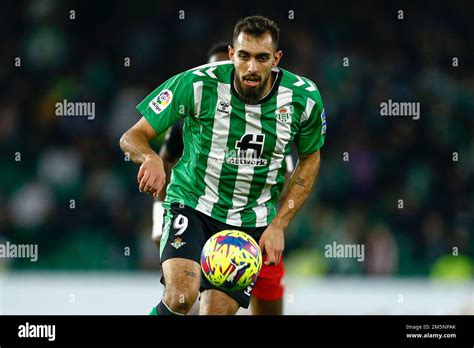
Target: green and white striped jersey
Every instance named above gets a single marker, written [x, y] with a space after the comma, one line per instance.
[233, 166]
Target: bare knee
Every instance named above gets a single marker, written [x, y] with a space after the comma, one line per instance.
[182, 279]
[215, 302]
[180, 299]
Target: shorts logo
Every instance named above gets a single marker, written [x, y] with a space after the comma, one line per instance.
[283, 114]
[223, 107]
[178, 243]
[249, 289]
[161, 101]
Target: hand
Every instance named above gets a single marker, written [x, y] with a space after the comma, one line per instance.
[272, 243]
[151, 175]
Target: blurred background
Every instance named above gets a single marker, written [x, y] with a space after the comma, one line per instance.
[66, 186]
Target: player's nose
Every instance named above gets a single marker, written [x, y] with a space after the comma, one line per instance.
[252, 66]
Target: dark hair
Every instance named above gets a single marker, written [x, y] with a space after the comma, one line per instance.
[257, 26]
[218, 47]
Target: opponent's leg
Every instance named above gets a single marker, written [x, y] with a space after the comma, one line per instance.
[262, 307]
[267, 295]
[182, 279]
[215, 302]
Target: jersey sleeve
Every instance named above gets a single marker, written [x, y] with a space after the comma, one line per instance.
[312, 132]
[168, 103]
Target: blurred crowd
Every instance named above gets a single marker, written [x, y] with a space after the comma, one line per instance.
[403, 188]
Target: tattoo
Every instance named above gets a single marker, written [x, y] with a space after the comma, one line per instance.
[300, 182]
[191, 274]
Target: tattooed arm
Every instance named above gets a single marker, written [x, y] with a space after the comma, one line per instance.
[301, 184]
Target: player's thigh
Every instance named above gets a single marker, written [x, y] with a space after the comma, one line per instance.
[181, 245]
[216, 302]
[182, 277]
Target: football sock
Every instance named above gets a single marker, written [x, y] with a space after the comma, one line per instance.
[163, 309]
[153, 311]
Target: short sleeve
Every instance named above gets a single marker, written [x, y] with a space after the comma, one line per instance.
[312, 132]
[168, 103]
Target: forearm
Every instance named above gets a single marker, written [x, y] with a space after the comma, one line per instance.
[300, 187]
[135, 144]
[284, 191]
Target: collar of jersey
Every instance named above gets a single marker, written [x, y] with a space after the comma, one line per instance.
[268, 96]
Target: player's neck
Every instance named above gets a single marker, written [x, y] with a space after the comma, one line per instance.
[270, 84]
[267, 90]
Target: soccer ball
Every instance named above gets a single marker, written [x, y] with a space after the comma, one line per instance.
[231, 260]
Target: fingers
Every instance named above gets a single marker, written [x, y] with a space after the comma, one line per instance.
[268, 250]
[270, 259]
[158, 186]
[273, 255]
[144, 180]
[264, 249]
[151, 176]
[140, 174]
[267, 246]
[278, 258]
[150, 185]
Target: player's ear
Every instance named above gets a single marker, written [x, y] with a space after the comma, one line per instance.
[277, 56]
[231, 53]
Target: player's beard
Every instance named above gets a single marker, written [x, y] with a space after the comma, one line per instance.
[249, 94]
